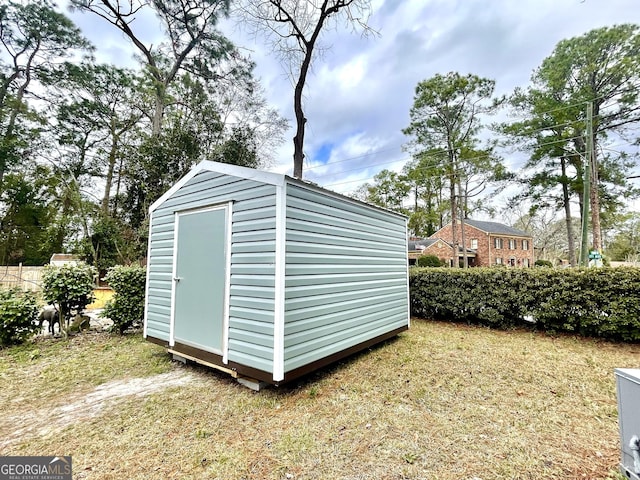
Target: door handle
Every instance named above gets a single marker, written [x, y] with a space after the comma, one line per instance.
[177, 279]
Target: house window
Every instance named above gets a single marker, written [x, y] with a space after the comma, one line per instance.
[525, 262]
[512, 244]
[474, 243]
[512, 262]
[497, 242]
[525, 244]
[498, 261]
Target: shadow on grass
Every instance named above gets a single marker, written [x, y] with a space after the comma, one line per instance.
[309, 381]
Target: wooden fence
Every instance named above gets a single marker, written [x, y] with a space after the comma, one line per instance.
[28, 278]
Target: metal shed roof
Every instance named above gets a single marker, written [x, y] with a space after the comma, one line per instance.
[269, 178]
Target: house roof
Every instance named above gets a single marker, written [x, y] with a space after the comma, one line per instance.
[416, 244]
[64, 257]
[496, 228]
[422, 242]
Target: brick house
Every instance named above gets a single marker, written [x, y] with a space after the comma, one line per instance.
[427, 246]
[487, 243]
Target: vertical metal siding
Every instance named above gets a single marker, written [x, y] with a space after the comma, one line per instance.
[252, 262]
[346, 275]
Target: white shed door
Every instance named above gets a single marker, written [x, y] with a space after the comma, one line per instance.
[200, 279]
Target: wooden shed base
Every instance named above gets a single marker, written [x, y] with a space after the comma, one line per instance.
[248, 382]
[183, 357]
[257, 379]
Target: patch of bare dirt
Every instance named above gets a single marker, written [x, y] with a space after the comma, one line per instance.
[82, 407]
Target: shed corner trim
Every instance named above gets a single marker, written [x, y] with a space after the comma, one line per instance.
[279, 291]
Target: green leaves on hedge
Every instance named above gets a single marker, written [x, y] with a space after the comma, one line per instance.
[70, 287]
[429, 261]
[127, 306]
[18, 315]
[602, 302]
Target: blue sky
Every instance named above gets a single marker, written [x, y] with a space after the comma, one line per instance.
[358, 96]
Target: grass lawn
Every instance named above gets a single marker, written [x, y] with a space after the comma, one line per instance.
[442, 401]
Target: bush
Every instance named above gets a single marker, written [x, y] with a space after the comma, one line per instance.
[429, 261]
[127, 307]
[601, 302]
[70, 287]
[18, 316]
[543, 263]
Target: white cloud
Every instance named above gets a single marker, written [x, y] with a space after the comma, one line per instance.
[359, 93]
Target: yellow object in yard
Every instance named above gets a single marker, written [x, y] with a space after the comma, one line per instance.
[103, 295]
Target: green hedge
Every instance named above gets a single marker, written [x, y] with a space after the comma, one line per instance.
[127, 307]
[18, 315]
[429, 261]
[602, 302]
[70, 287]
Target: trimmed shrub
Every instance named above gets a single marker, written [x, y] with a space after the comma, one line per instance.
[18, 316]
[126, 309]
[602, 302]
[429, 261]
[543, 263]
[70, 287]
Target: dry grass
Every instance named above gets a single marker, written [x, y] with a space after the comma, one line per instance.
[442, 401]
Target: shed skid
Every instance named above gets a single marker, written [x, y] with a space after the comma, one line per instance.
[267, 277]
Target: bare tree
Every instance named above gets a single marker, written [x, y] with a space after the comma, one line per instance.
[294, 28]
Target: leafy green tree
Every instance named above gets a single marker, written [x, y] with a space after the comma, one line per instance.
[389, 190]
[34, 40]
[155, 164]
[239, 149]
[111, 242]
[99, 119]
[25, 216]
[601, 67]
[446, 118]
[552, 176]
[97, 125]
[424, 175]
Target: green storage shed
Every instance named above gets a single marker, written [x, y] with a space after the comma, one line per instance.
[268, 277]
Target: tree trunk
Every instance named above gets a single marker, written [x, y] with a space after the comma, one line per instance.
[158, 113]
[309, 45]
[298, 140]
[118, 183]
[13, 116]
[567, 213]
[463, 214]
[454, 226]
[454, 213]
[110, 169]
[431, 228]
